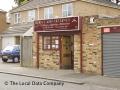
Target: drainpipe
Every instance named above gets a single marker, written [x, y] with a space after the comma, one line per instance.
[37, 46]
[21, 50]
[81, 47]
[38, 13]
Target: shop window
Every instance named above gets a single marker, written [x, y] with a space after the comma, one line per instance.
[50, 42]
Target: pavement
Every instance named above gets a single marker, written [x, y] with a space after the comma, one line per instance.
[68, 76]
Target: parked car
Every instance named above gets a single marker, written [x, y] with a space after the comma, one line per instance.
[11, 52]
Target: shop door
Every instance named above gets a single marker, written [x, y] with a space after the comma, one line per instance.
[66, 52]
[111, 54]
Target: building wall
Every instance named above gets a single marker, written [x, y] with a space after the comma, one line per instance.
[91, 51]
[34, 50]
[81, 8]
[91, 47]
[77, 53]
[88, 9]
[49, 59]
[3, 23]
[91, 38]
[92, 43]
[23, 16]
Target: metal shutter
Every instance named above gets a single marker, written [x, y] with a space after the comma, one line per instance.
[111, 54]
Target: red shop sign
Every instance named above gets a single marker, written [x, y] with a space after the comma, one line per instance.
[113, 29]
[59, 24]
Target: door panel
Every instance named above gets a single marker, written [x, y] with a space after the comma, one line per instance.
[66, 53]
[27, 52]
[111, 54]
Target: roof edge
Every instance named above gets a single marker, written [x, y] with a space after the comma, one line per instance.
[102, 4]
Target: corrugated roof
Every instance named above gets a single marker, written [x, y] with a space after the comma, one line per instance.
[17, 29]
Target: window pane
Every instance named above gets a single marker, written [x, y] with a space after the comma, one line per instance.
[70, 9]
[45, 12]
[46, 43]
[48, 13]
[17, 18]
[55, 42]
[51, 42]
[31, 15]
[67, 10]
[46, 40]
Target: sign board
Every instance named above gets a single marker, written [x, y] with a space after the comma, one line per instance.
[106, 30]
[112, 29]
[59, 24]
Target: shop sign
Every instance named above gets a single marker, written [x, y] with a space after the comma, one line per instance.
[59, 24]
[106, 30]
[113, 29]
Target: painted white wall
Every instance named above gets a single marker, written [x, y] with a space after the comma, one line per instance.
[7, 41]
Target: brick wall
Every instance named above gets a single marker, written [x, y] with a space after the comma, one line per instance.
[49, 59]
[91, 47]
[92, 43]
[77, 51]
[34, 50]
[91, 51]
[3, 24]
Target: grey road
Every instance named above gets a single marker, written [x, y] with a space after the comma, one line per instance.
[14, 82]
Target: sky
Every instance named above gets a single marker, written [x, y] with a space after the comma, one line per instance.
[7, 5]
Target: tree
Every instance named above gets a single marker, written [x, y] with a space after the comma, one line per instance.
[115, 1]
[20, 2]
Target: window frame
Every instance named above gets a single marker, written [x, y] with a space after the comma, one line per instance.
[51, 48]
[31, 15]
[48, 13]
[17, 18]
[66, 10]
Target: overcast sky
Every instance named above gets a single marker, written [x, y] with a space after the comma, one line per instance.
[6, 5]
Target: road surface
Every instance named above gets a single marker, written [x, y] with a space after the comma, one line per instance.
[15, 82]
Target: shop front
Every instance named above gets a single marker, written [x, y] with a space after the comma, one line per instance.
[56, 43]
[111, 51]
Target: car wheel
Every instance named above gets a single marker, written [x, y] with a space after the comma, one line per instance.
[16, 59]
[4, 60]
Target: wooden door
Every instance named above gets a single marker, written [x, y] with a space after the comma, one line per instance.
[66, 53]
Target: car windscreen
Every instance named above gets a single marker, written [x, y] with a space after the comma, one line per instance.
[8, 48]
